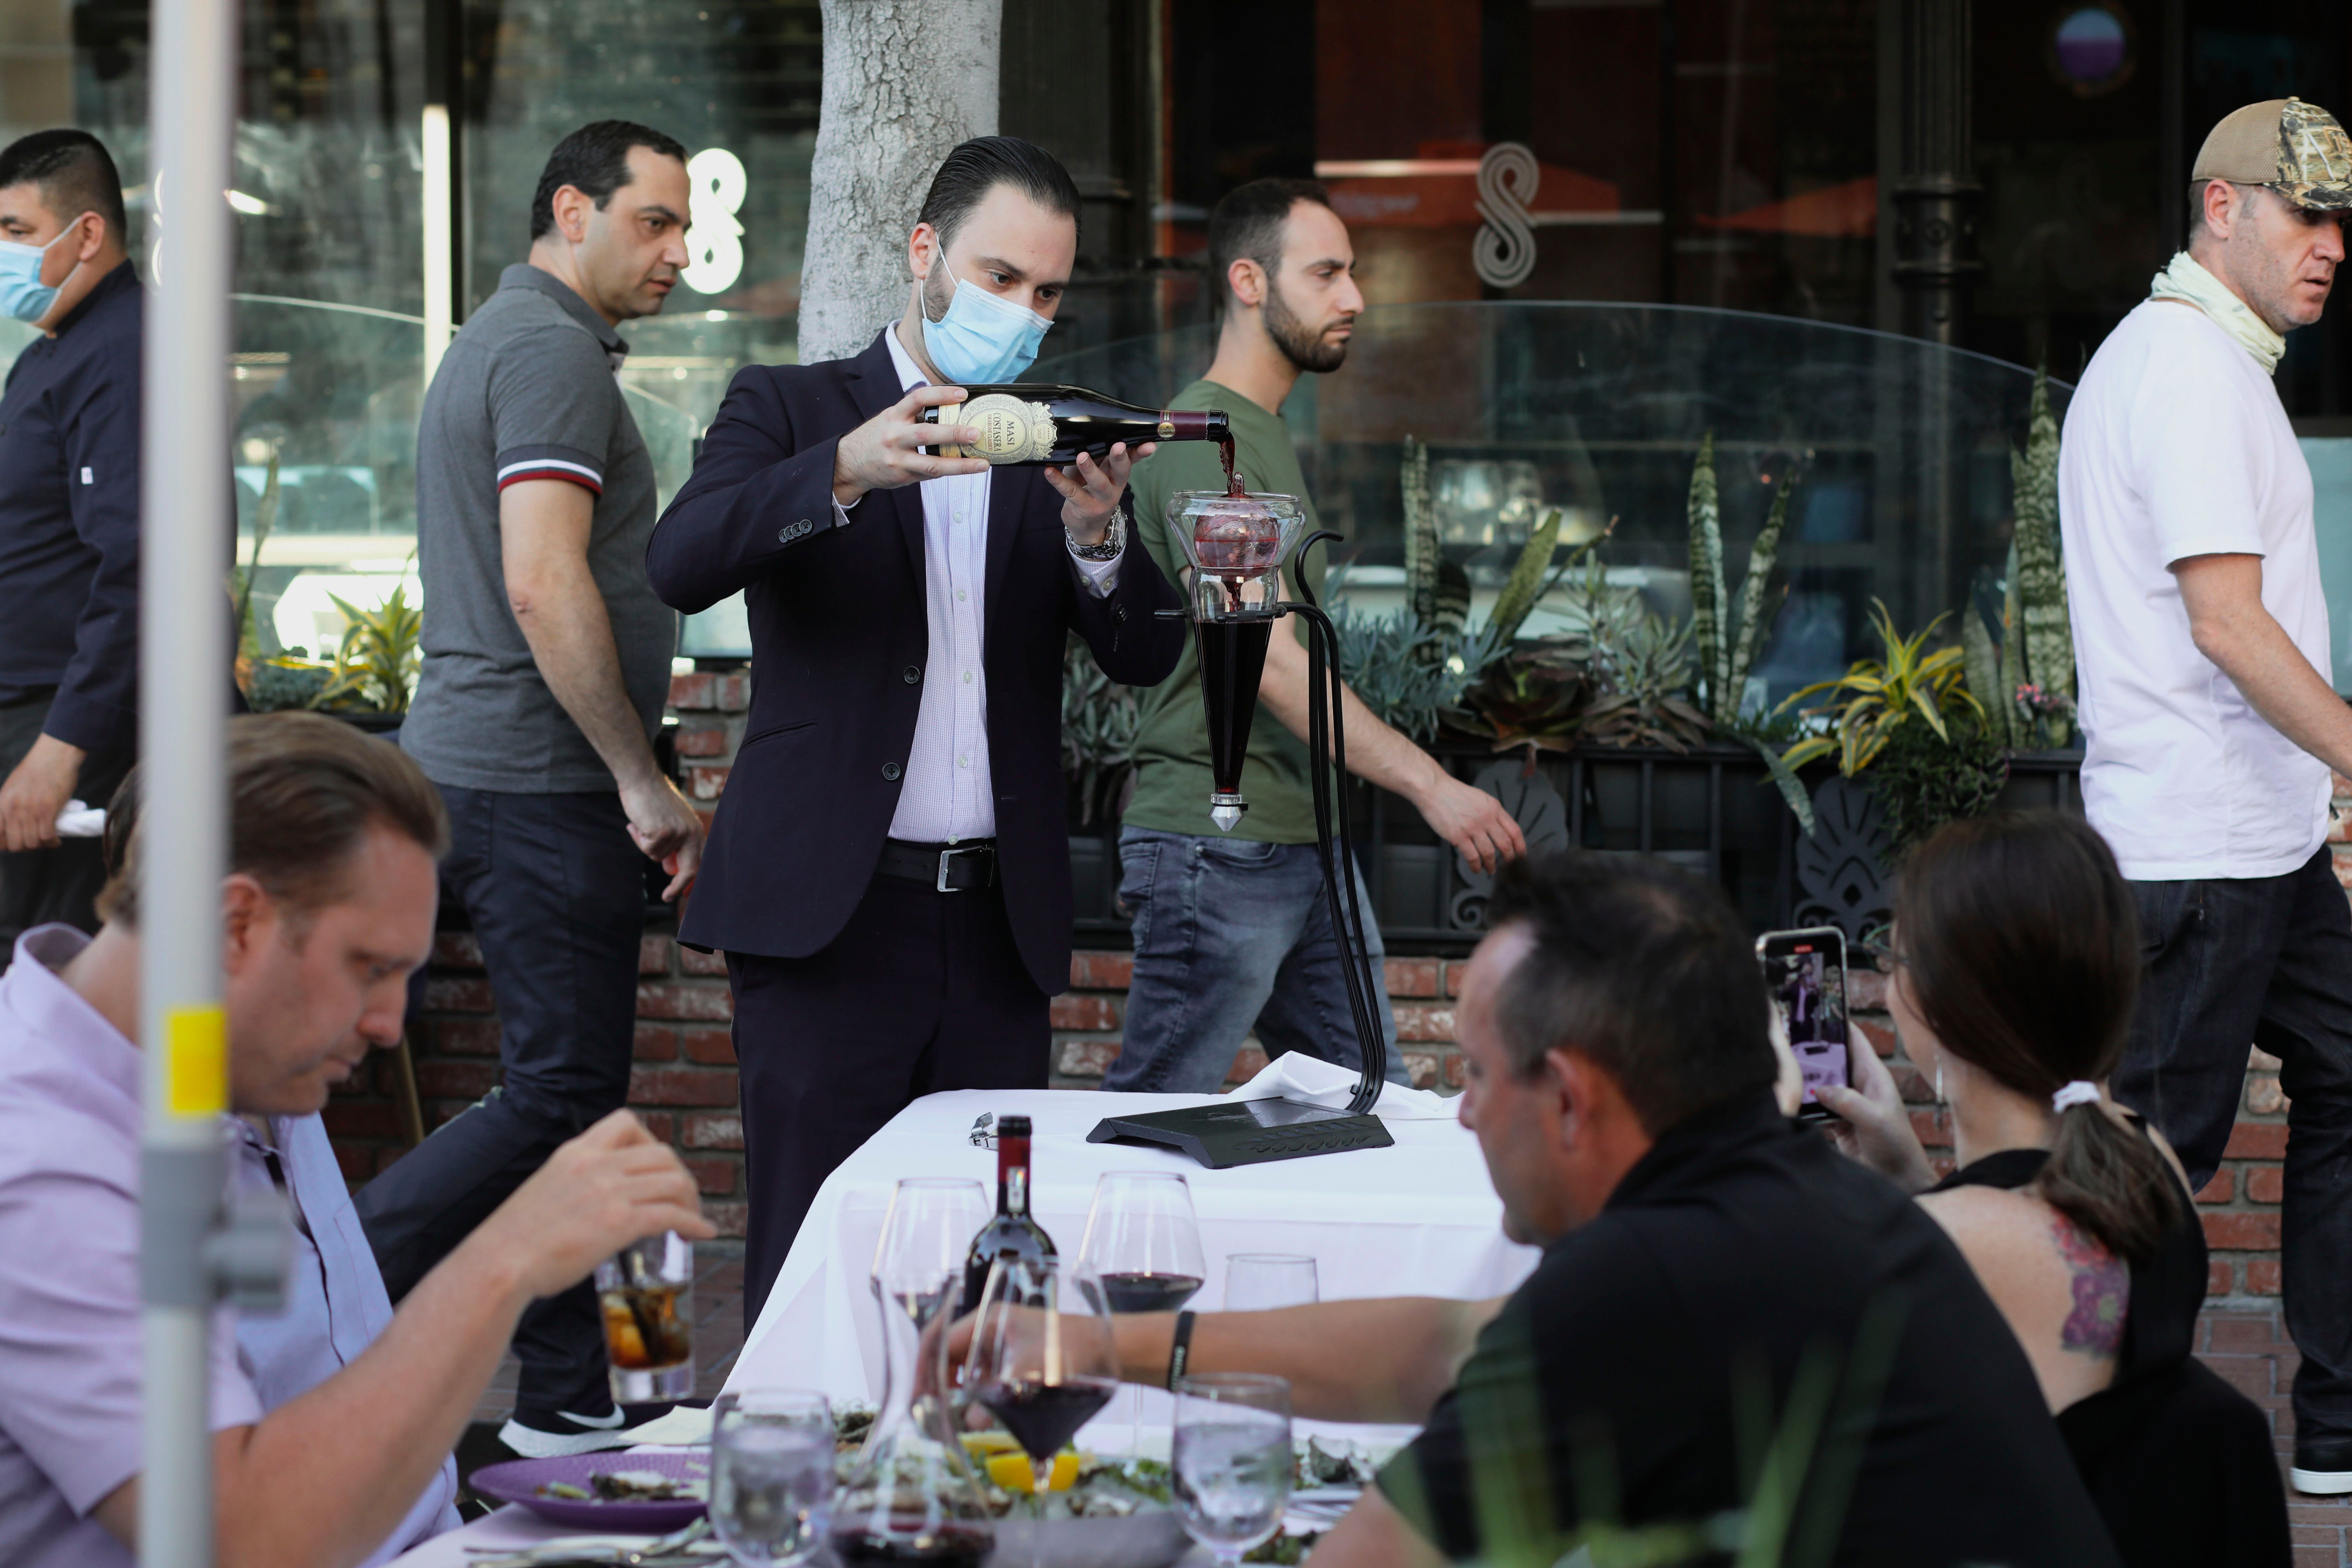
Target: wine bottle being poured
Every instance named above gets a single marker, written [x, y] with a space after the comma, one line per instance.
[1032, 425]
[1012, 1233]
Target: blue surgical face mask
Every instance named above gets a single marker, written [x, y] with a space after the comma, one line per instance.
[22, 293]
[983, 338]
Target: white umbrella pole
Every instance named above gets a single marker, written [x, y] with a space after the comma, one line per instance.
[186, 535]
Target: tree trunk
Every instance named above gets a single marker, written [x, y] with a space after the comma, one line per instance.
[905, 80]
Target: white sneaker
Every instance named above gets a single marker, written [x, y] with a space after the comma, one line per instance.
[551, 1436]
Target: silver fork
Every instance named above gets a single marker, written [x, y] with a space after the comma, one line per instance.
[586, 1549]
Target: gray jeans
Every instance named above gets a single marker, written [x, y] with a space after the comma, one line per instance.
[41, 886]
[1231, 935]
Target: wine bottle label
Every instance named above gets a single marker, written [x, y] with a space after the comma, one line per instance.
[1167, 428]
[1012, 430]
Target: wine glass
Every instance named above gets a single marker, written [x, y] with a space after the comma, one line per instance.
[1042, 1357]
[1259, 1281]
[770, 1475]
[925, 1236]
[1143, 1246]
[1232, 1459]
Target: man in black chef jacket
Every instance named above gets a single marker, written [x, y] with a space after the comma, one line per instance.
[888, 872]
[68, 520]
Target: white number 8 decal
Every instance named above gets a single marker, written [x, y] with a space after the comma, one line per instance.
[715, 240]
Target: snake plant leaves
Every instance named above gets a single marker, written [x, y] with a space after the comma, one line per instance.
[1420, 548]
[2041, 572]
[1708, 601]
[1526, 584]
[1981, 660]
[1755, 625]
[2013, 673]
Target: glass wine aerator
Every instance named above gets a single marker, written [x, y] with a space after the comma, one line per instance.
[1236, 545]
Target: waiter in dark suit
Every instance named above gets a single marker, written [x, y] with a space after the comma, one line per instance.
[888, 873]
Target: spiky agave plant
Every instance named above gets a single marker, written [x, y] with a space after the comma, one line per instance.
[1878, 695]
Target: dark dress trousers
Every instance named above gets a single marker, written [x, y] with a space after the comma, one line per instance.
[855, 992]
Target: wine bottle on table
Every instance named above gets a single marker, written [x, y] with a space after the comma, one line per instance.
[1013, 1233]
[1030, 425]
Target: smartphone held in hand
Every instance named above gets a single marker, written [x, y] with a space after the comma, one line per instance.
[1805, 976]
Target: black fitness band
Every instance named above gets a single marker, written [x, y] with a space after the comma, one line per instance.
[1180, 1351]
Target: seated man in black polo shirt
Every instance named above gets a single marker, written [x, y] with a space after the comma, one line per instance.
[1715, 1283]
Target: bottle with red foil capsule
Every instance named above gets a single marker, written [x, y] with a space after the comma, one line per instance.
[1031, 424]
[1012, 1232]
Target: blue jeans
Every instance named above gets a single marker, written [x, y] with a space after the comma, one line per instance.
[1230, 934]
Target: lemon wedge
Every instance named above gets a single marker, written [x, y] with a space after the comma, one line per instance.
[1013, 1473]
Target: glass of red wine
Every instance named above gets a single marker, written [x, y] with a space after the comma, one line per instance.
[1142, 1246]
[1043, 1360]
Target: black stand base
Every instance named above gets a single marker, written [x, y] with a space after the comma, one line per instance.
[1248, 1131]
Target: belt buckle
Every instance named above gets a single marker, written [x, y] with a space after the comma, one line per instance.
[948, 855]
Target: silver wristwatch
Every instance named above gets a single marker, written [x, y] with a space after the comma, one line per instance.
[1114, 539]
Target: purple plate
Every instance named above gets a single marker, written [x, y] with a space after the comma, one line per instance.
[520, 1480]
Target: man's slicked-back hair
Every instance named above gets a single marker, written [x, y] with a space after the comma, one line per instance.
[1640, 968]
[978, 166]
[74, 173]
[1247, 223]
[303, 791]
[593, 160]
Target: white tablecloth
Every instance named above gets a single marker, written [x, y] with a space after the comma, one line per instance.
[1419, 1219]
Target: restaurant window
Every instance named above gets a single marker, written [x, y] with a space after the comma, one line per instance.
[350, 198]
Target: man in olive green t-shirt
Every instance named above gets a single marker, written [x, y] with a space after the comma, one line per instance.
[1230, 930]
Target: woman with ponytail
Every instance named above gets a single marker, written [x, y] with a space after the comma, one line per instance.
[2014, 964]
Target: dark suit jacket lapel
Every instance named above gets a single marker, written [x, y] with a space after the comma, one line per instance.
[873, 387]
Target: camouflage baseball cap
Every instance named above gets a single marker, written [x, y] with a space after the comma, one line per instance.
[2295, 147]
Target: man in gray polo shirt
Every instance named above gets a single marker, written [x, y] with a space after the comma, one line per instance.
[546, 668]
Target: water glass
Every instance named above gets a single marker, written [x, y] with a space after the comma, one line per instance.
[647, 1294]
[770, 1475]
[1232, 1459]
[1259, 1281]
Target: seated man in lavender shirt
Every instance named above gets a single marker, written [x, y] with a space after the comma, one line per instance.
[333, 1421]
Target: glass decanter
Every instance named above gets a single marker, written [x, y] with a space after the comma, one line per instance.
[911, 1497]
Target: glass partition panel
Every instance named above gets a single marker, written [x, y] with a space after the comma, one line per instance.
[1901, 448]
[333, 392]
[2331, 482]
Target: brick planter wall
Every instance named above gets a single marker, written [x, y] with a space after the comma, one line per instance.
[684, 1082]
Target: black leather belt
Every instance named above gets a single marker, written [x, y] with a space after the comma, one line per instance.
[947, 867]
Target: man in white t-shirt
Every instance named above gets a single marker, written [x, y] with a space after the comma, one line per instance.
[2211, 722]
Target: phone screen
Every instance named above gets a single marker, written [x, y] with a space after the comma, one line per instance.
[1804, 972]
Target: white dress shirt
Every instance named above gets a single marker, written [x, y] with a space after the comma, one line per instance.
[947, 796]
